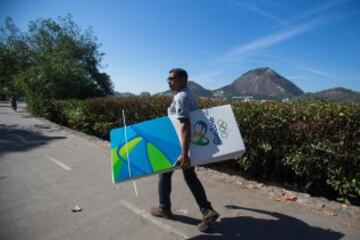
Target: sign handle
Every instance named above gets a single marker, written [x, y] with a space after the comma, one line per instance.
[127, 152]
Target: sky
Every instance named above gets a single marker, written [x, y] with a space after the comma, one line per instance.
[313, 43]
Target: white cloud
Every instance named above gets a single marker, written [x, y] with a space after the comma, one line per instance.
[318, 9]
[253, 47]
[205, 78]
[295, 64]
[296, 77]
[253, 7]
[270, 40]
[316, 71]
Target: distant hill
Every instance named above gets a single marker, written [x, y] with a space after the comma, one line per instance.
[199, 91]
[260, 82]
[265, 83]
[338, 94]
[196, 89]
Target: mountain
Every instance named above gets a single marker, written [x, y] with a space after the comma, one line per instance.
[338, 94]
[199, 91]
[196, 89]
[260, 82]
[265, 83]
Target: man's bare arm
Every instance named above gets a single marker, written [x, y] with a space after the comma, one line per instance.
[185, 130]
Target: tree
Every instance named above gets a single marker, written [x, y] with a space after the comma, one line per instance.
[62, 62]
[14, 55]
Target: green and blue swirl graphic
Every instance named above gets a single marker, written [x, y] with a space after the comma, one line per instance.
[153, 146]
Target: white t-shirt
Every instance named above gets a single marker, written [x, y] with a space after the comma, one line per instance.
[182, 104]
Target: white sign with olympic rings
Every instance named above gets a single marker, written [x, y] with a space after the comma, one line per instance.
[215, 135]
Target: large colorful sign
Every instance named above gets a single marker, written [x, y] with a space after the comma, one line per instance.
[154, 146]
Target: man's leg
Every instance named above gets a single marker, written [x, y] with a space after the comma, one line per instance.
[165, 190]
[197, 189]
[209, 214]
[164, 208]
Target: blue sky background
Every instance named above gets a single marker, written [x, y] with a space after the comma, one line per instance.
[314, 43]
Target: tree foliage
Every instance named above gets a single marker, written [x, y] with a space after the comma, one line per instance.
[13, 55]
[58, 61]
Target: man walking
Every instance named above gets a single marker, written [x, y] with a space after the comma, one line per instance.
[183, 103]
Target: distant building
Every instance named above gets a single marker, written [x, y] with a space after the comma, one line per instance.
[244, 98]
[124, 94]
[204, 98]
[218, 94]
[145, 94]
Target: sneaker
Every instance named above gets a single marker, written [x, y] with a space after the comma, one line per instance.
[159, 212]
[209, 218]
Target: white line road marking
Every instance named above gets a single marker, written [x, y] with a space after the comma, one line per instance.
[152, 219]
[57, 162]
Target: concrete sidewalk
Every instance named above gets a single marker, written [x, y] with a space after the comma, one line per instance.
[45, 170]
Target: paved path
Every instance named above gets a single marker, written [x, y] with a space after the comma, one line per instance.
[46, 170]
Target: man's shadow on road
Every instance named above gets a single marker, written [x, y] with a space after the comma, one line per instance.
[185, 219]
[283, 227]
[16, 139]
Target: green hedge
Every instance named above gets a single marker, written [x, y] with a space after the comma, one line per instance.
[312, 145]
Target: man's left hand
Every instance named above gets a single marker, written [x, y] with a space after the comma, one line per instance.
[184, 161]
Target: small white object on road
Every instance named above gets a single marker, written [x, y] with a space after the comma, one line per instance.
[77, 208]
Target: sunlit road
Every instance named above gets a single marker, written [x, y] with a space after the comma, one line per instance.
[46, 170]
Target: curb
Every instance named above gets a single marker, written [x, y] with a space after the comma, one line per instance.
[325, 206]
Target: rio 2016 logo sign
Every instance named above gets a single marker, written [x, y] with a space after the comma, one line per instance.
[200, 129]
[198, 135]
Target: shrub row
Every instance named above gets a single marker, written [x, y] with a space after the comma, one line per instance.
[315, 146]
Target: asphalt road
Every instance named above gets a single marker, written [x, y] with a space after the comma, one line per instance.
[46, 170]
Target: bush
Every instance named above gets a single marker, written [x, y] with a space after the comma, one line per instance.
[76, 115]
[72, 113]
[106, 112]
[313, 145]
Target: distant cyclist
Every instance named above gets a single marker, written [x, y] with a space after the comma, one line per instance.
[13, 102]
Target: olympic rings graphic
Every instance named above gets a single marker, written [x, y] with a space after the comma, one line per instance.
[224, 132]
[198, 136]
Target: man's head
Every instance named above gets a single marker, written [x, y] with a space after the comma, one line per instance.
[177, 79]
